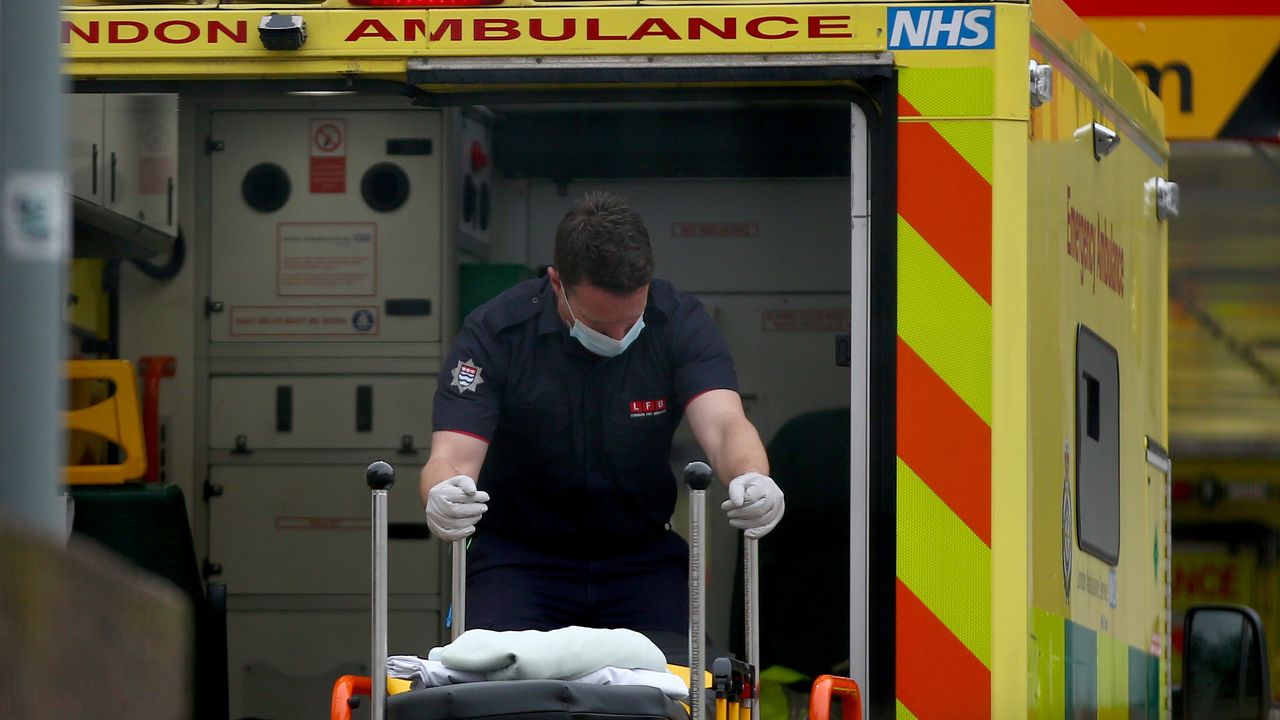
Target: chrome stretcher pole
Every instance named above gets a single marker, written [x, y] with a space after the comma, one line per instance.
[458, 613]
[697, 475]
[380, 477]
[751, 608]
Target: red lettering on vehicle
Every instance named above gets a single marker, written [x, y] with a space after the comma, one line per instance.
[655, 26]
[165, 32]
[728, 32]
[453, 26]
[370, 27]
[170, 32]
[497, 29]
[115, 36]
[568, 29]
[754, 29]
[89, 35]
[413, 27]
[823, 26]
[593, 31]
[240, 34]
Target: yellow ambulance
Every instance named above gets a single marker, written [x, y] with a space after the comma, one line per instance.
[949, 219]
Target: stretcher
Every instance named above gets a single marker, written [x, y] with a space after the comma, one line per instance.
[728, 692]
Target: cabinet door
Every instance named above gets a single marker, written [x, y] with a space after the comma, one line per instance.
[142, 158]
[86, 149]
[304, 412]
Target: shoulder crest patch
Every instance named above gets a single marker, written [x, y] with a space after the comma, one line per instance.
[466, 376]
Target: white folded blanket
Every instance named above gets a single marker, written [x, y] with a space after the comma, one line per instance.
[555, 654]
[432, 673]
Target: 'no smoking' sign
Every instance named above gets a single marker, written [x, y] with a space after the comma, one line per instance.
[328, 156]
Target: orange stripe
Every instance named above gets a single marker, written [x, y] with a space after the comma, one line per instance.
[906, 109]
[945, 200]
[937, 676]
[944, 441]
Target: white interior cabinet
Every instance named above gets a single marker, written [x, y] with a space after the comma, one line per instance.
[124, 155]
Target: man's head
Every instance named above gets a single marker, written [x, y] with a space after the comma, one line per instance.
[603, 263]
[603, 242]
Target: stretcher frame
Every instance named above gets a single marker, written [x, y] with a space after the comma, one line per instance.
[735, 684]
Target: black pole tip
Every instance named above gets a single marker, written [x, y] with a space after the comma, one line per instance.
[380, 476]
[697, 475]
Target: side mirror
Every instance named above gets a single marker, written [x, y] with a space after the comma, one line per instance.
[1224, 671]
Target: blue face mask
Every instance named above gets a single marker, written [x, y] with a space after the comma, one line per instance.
[596, 341]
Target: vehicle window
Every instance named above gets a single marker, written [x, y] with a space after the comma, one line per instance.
[1098, 446]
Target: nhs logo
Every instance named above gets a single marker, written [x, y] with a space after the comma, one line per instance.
[942, 28]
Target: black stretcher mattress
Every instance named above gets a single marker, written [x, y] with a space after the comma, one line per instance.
[535, 700]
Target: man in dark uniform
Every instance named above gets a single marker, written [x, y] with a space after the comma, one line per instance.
[553, 420]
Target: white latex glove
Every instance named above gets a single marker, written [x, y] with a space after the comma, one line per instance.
[454, 507]
[755, 504]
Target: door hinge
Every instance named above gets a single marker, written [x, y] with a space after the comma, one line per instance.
[212, 146]
[1041, 84]
[212, 306]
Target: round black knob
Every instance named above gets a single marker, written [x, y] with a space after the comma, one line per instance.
[380, 476]
[697, 475]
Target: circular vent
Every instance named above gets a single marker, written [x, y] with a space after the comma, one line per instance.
[266, 187]
[385, 187]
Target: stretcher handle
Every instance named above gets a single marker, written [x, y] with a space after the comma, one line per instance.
[751, 623]
[380, 476]
[824, 686]
[345, 695]
[697, 475]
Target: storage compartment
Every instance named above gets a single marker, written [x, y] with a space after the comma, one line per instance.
[124, 173]
[307, 412]
[306, 530]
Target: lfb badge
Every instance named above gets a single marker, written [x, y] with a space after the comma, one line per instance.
[466, 376]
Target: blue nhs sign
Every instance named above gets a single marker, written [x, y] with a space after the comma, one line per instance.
[942, 28]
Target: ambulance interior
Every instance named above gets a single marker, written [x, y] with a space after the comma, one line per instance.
[748, 207]
[751, 204]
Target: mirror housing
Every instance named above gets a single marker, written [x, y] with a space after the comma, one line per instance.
[1225, 673]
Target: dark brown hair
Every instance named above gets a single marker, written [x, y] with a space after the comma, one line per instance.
[603, 242]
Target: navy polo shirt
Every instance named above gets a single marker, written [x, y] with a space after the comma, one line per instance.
[579, 445]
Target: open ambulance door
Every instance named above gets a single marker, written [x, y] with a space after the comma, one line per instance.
[768, 186]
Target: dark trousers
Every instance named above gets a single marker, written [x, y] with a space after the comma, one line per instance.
[512, 587]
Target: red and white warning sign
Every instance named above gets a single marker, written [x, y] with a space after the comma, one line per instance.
[328, 142]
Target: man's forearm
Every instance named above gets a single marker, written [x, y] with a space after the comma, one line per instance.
[739, 451]
[452, 454]
[436, 471]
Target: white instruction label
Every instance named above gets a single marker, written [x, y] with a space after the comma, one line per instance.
[327, 259]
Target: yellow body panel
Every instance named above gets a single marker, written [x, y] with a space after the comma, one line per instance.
[1011, 677]
[1098, 258]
